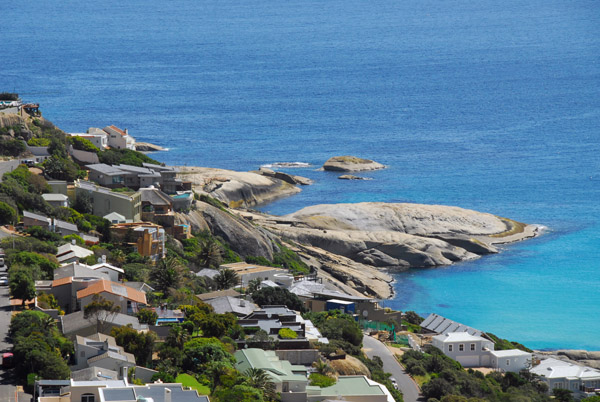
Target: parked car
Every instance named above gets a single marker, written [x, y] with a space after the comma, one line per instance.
[7, 360]
[3, 282]
[394, 382]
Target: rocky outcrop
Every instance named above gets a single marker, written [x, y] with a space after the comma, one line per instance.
[237, 189]
[591, 359]
[350, 164]
[243, 237]
[148, 147]
[398, 236]
[350, 365]
[288, 178]
[352, 177]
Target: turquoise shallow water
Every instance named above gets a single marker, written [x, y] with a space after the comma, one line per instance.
[485, 105]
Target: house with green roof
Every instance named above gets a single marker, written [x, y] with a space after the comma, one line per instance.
[291, 380]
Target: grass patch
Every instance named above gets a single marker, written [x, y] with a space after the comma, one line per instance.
[514, 228]
[188, 381]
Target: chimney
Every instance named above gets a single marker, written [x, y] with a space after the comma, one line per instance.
[126, 132]
[73, 242]
[242, 303]
[124, 374]
[104, 259]
[167, 395]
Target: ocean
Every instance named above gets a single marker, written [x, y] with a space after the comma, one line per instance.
[493, 106]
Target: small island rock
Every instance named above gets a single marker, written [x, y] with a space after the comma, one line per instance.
[351, 164]
[352, 177]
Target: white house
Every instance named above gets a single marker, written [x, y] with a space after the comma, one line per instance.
[119, 139]
[56, 200]
[583, 381]
[476, 351]
[71, 253]
[101, 350]
[468, 350]
[513, 360]
[96, 136]
[110, 270]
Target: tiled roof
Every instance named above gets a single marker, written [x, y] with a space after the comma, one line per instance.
[62, 281]
[117, 129]
[114, 288]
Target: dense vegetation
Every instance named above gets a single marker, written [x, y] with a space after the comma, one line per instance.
[444, 379]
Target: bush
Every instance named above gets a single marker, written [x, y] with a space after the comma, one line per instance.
[83, 144]
[11, 147]
[286, 333]
[321, 380]
[43, 234]
[78, 239]
[8, 214]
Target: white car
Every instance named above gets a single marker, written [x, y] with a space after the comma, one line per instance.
[394, 383]
[3, 282]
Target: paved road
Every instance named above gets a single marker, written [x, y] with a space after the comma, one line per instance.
[7, 387]
[372, 347]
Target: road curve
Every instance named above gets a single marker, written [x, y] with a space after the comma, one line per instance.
[372, 347]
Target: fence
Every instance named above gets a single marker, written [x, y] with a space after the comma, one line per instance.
[378, 326]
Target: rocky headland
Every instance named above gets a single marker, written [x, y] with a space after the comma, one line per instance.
[148, 147]
[237, 189]
[352, 246]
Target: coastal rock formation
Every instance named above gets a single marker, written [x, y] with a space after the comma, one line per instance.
[288, 178]
[398, 236]
[243, 237]
[350, 164]
[352, 177]
[237, 189]
[591, 359]
[148, 147]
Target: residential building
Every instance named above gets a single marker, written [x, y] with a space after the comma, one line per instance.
[114, 273]
[94, 373]
[40, 154]
[31, 219]
[248, 272]
[58, 186]
[583, 381]
[75, 269]
[96, 136]
[148, 238]
[75, 324]
[114, 217]
[235, 305]
[56, 200]
[437, 324]
[128, 299]
[101, 351]
[217, 293]
[113, 390]
[72, 253]
[119, 139]
[468, 350]
[135, 177]
[291, 380]
[513, 360]
[104, 201]
[477, 351]
[65, 228]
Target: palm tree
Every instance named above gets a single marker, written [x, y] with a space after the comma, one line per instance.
[177, 337]
[322, 367]
[210, 254]
[226, 278]
[167, 274]
[259, 379]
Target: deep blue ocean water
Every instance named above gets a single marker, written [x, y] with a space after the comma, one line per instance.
[493, 106]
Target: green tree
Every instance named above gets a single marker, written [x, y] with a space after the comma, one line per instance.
[177, 337]
[201, 351]
[83, 203]
[21, 285]
[7, 214]
[239, 393]
[226, 279]
[253, 285]
[147, 316]
[563, 395]
[342, 329]
[100, 310]
[140, 344]
[83, 144]
[211, 253]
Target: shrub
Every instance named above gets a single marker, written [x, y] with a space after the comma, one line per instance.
[321, 380]
[7, 214]
[286, 333]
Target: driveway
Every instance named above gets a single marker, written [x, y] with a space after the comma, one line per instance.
[7, 387]
[372, 347]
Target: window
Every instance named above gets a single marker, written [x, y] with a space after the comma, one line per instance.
[461, 347]
[449, 348]
[88, 398]
[472, 346]
[508, 362]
